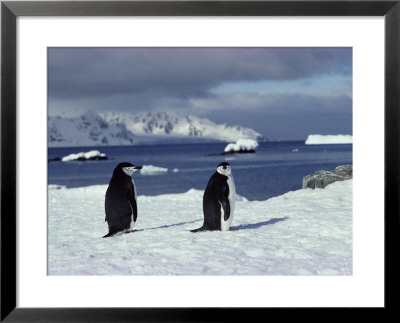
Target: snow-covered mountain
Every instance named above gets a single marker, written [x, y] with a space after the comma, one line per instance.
[172, 125]
[114, 128]
[89, 129]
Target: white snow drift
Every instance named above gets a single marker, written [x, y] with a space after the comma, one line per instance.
[328, 139]
[304, 232]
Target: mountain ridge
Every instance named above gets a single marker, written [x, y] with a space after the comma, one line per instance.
[121, 128]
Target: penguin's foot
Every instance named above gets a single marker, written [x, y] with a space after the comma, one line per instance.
[129, 231]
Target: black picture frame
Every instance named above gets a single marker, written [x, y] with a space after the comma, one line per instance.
[10, 10]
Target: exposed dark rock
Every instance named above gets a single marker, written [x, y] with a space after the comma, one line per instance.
[242, 151]
[231, 152]
[54, 159]
[322, 178]
[80, 158]
[91, 158]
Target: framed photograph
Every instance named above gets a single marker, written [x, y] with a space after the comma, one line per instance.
[162, 159]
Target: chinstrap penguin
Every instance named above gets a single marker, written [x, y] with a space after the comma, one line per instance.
[120, 201]
[219, 200]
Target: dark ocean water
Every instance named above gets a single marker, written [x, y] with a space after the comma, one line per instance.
[274, 169]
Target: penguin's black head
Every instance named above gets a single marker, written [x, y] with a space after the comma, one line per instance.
[224, 168]
[126, 168]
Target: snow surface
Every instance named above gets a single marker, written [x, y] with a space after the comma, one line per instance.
[328, 139]
[152, 170]
[304, 232]
[87, 155]
[242, 145]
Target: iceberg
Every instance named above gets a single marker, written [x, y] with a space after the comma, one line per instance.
[329, 139]
[241, 146]
[90, 155]
[152, 170]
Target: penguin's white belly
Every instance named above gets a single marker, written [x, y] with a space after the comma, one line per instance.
[225, 225]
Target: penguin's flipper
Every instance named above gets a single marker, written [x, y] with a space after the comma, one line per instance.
[224, 201]
[134, 209]
[226, 207]
[132, 202]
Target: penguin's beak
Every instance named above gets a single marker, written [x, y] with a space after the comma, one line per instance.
[131, 169]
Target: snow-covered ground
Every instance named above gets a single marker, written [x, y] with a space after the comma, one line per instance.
[304, 232]
[328, 139]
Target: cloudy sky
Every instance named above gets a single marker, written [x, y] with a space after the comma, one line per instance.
[284, 93]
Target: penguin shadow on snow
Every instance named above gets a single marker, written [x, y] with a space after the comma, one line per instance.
[166, 226]
[259, 224]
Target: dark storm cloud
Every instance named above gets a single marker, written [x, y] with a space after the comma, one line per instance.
[143, 73]
[284, 93]
[287, 116]
[298, 125]
[277, 103]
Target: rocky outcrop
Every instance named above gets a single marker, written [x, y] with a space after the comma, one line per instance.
[241, 151]
[322, 178]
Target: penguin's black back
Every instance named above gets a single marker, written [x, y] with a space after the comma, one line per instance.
[217, 189]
